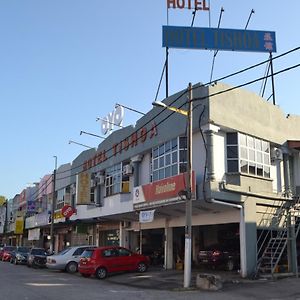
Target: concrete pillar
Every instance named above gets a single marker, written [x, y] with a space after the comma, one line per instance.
[136, 169]
[287, 174]
[292, 247]
[250, 235]
[168, 264]
[209, 131]
[124, 235]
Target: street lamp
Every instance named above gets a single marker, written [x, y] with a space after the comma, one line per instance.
[92, 134]
[129, 108]
[73, 142]
[52, 207]
[188, 202]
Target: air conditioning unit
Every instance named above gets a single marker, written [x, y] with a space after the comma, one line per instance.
[128, 169]
[276, 153]
[101, 179]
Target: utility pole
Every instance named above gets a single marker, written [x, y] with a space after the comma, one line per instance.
[188, 203]
[53, 208]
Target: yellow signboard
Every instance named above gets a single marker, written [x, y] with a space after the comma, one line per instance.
[2, 200]
[83, 187]
[19, 225]
[58, 215]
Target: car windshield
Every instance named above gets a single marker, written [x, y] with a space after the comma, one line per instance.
[23, 250]
[38, 252]
[87, 253]
[9, 248]
[64, 251]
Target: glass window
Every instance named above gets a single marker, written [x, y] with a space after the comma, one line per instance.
[244, 166]
[232, 152]
[113, 180]
[231, 138]
[161, 150]
[170, 160]
[232, 166]
[253, 154]
[166, 158]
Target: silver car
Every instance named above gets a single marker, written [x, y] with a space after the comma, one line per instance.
[67, 259]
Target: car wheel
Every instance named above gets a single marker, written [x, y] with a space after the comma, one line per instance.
[230, 265]
[71, 267]
[101, 273]
[142, 267]
[86, 275]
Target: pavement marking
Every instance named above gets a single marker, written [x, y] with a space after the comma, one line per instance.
[46, 284]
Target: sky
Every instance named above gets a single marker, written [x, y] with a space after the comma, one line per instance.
[63, 63]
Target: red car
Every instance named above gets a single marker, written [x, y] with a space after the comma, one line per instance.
[103, 260]
[6, 253]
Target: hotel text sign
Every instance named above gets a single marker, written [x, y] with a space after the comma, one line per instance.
[189, 4]
[219, 39]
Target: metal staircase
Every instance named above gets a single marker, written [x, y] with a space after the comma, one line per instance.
[278, 222]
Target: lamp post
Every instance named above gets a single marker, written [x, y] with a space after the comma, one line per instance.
[92, 134]
[53, 208]
[188, 202]
[86, 146]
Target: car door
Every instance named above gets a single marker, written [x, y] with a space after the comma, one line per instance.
[125, 259]
[109, 259]
[77, 253]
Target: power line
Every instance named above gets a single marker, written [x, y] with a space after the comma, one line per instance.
[196, 87]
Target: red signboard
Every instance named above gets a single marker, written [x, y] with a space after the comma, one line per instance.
[168, 188]
[67, 211]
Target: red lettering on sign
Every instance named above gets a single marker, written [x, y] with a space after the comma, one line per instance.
[143, 134]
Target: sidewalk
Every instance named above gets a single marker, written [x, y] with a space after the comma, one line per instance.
[160, 279]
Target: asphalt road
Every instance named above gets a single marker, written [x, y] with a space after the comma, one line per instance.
[22, 283]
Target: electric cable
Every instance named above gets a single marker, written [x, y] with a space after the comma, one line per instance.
[200, 86]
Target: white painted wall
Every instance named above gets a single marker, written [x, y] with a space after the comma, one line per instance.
[116, 204]
[145, 169]
[219, 155]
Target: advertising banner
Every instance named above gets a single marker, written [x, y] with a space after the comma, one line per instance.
[83, 186]
[219, 39]
[19, 225]
[146, 216]
[161, 192]
[34, 234]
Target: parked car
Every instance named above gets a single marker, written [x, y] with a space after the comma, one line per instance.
[104, 260]
[37, 257]
[19, 255]
[67, 259]
[225, 255]
[6, 253]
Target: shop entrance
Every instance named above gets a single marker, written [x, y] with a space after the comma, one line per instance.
[153, 245]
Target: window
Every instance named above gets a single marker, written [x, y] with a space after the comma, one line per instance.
[113, 180]
[60, 198]
[169, 159]
[117, 181]
[247, 154]
[124, 252]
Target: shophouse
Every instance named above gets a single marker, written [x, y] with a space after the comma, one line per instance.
[246, 180]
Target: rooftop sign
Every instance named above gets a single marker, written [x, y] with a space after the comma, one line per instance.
[219, 39]
[189, 4]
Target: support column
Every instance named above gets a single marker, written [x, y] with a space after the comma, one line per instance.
[209, 131]
[287, 173]
[124, 235]
[168, 263]
[250, 236]
[292, 246]
[136, 169]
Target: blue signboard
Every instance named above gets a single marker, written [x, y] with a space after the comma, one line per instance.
[219, 39]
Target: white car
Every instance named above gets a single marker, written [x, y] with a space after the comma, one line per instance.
[67, 259]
